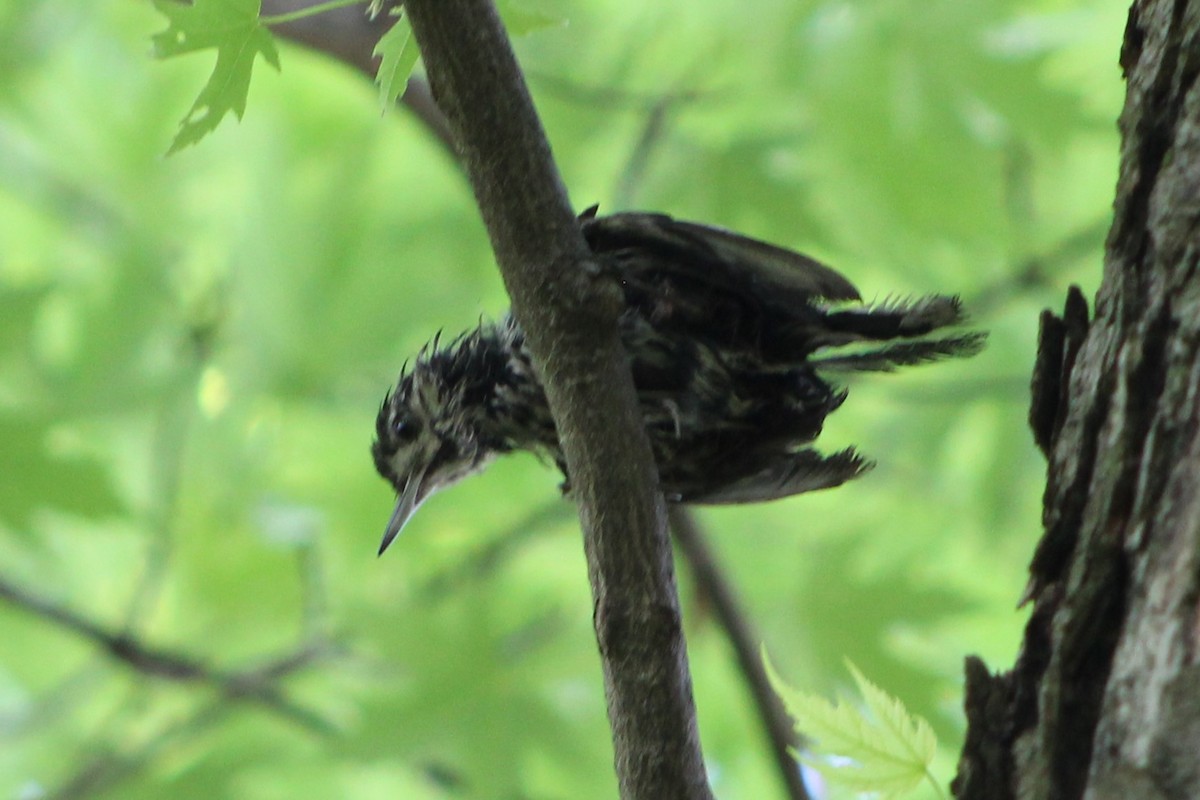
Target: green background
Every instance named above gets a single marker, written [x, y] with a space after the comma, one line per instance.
[192, 351]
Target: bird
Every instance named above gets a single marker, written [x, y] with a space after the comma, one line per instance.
[731, 343]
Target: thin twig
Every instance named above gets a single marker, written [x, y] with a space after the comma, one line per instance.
[618, 98]
[478, 564]
[172, 425]
[314, 614]
[635, 168]
[1037, 271]
[301, 13]
[108, 769]
[256, 683]
[690, 539]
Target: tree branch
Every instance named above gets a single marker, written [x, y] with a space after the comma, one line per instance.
[743, 638]
[568, 310]
[256, 683]
[350, 38]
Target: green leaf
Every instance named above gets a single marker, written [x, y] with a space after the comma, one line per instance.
[881, 749]
[398, 53]
[233, 29]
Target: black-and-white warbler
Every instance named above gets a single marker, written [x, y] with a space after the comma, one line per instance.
[728, 339]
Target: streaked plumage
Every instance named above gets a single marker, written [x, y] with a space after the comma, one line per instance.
[727, 338]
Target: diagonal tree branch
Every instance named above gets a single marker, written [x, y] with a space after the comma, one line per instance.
[568, 310]
[745, 642]
[258, 683]
[350, 38]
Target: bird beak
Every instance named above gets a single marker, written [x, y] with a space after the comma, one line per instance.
[406, 504]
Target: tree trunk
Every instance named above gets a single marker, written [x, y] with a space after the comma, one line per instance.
[1104, 700]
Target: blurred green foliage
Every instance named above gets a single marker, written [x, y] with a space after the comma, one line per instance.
[192, 351]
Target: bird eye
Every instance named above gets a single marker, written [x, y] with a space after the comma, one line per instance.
[405, 430]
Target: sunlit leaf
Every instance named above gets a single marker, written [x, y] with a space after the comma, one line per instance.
[232, 28]
[880, 748]
[397, 51]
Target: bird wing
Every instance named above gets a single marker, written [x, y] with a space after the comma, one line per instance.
[772, 276]
[786, 475]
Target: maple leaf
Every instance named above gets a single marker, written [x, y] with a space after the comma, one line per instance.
[398, 55]
[882, 749]
[233, 29]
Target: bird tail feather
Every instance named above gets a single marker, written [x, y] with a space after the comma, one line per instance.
[902, 354]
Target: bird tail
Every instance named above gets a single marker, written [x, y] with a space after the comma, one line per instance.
[896, 318]
[902, 354]
[907, 319]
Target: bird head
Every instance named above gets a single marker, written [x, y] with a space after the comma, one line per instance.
[424, 438]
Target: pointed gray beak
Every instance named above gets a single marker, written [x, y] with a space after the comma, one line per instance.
[406, 504]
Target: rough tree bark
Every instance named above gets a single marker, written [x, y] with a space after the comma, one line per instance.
[1104, 701]
[569, 310]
